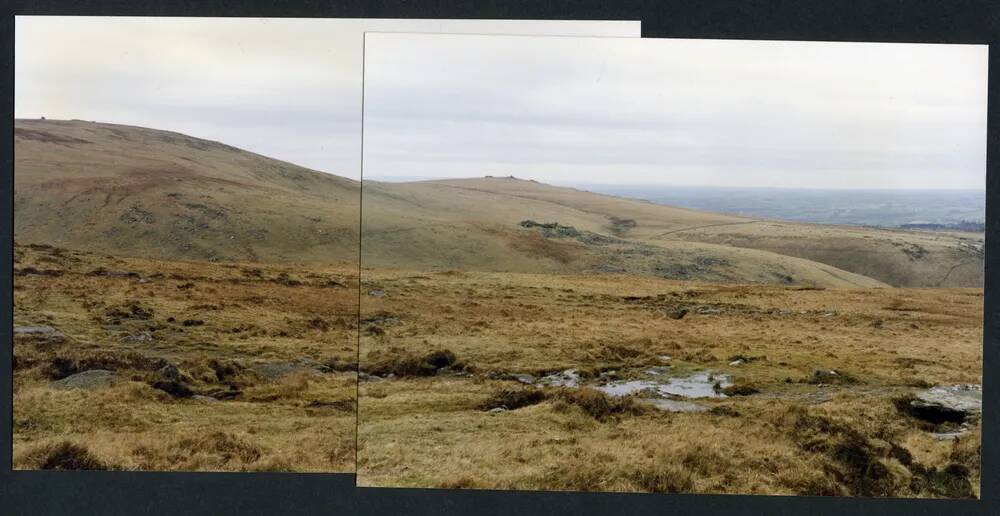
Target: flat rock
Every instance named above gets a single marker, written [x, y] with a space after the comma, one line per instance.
[365, 377]
[41, 334]
[953, 403]
[142, 336]
[92, 379]
[36, 330]
[965, 398]
[567, 378]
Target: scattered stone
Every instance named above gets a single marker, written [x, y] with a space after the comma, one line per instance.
[658, 370]
[376, 293]
[32, 271]
[175, 389]
[830, 377]
[132, 311]
[551, 229]
[497, 410]
[610, 374]
[365, 377]
[567, 378]
[678, 313]
[170, 373]
[92, 379]
[525, 378]
[946, 404]
[40, 334]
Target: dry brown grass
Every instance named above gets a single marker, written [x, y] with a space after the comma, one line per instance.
[254, 317]
[783, 432]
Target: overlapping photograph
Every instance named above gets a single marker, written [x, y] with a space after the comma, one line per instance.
[186, 214]
[684, 266]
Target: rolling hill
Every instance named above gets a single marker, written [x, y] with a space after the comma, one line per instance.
[157, 194]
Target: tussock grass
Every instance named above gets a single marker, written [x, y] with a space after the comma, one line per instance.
[62, 455]
[598, 405]
[400, 362]
[789, 437]
[156, 415]
[512, 399]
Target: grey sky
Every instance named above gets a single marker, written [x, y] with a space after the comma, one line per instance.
[672, 111]
[285, 88]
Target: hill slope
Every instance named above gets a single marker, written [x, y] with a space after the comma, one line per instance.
[160, 194]
[660, 240]
[143, 192]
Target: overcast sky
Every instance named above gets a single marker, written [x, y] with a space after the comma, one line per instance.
[676, 112]
[285, 88]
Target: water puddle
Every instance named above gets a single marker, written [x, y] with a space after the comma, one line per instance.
[697, 385]
[659, 388]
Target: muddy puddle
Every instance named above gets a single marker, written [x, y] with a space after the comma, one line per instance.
[655, 385]
[697, 385]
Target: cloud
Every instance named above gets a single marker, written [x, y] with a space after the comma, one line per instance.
[286, 88]
[687, 112]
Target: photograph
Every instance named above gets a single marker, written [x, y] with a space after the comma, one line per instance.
[703, 266]
[186, 218]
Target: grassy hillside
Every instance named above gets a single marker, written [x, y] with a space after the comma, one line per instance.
[160, 194]
[895, 257]
[157, 194]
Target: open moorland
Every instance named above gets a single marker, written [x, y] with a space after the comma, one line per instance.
[183, 304]
[180, 304]
[612, 383]
[137, 364]
[134, 191]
